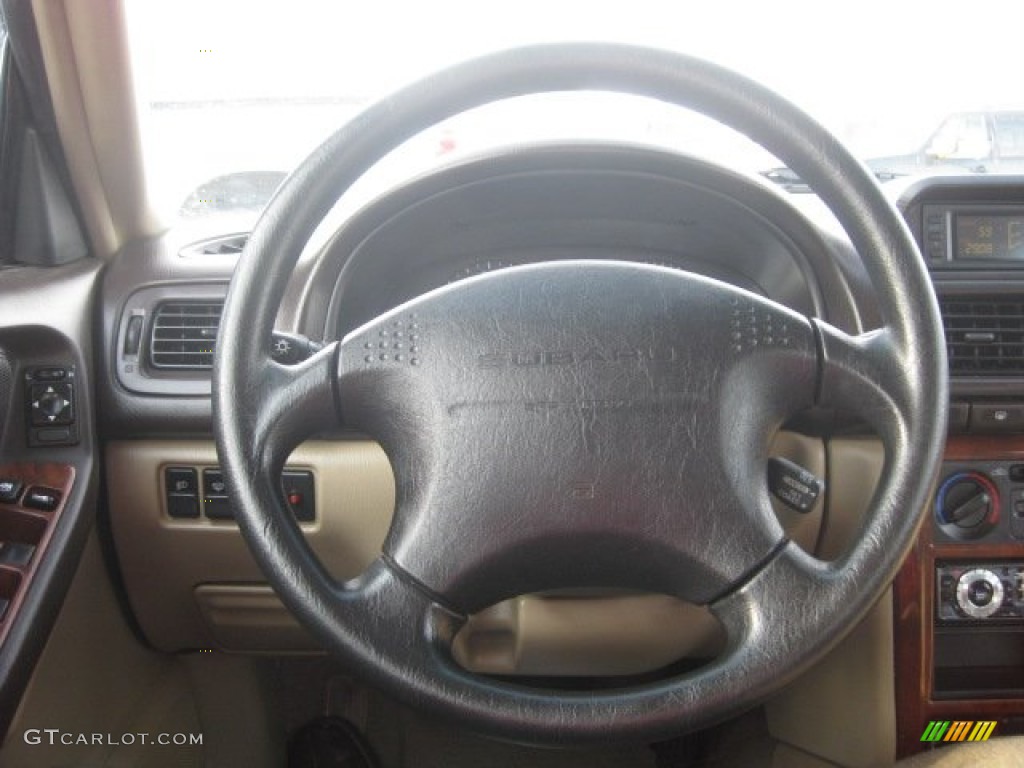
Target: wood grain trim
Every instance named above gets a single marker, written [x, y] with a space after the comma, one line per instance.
[985, 448]
[18, 579]
[914, 606]
[912, 689]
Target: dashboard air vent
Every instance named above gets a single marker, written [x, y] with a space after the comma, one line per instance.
[183, 335]
[984, 335]
[231, 245]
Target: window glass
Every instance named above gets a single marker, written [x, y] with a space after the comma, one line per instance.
[962, 137]
[1009, 131]
[233, 93]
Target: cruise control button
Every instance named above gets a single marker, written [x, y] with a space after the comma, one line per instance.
[793, 485]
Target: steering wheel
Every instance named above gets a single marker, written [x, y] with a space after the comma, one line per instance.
[582, 424]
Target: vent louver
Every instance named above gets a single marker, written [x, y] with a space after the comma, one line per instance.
[231, 245]
[984, 335]
[183, 335]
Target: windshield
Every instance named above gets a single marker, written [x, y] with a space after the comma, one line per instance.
[234, 93]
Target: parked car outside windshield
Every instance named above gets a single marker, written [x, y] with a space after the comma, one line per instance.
[244, 96]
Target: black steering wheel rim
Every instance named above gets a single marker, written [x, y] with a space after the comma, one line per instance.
[392, 624]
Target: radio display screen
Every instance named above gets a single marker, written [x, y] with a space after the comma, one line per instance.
[995, 237]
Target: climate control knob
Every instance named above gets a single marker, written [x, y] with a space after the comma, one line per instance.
[967, 505]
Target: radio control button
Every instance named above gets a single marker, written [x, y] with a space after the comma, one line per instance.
[979, 593]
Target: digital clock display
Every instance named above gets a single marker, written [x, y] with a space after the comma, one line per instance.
[995, 237]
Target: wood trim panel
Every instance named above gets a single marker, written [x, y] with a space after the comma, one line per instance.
[914, 607]
[985, 448]
[912, 686]
[20, 523]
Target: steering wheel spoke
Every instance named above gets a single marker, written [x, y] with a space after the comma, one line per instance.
[286, 404]
[865, 375]
[760, 618]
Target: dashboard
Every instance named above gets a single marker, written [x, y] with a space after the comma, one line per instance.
[160, 308]
[159, 303]
[958, 647]
[554, 202]
[566, 203]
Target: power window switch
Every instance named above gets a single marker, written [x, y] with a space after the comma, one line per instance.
[43, 499]
[9, 490]
[16, 553]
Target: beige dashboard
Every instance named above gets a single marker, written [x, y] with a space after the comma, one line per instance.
[192, 583]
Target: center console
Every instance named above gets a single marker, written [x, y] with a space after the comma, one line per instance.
[978, 625]
[959, 599]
